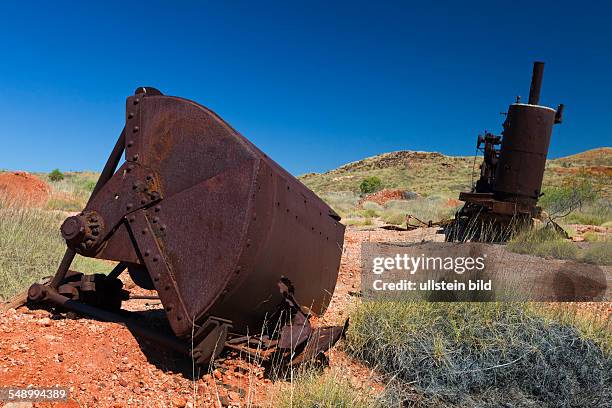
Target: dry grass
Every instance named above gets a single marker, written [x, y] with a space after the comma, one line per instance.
[31, 247]
[313, 389]
[546, 242]
[474, 354]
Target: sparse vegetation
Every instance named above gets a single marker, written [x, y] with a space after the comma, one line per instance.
[311, 389]
[469, 354]
[72, 192]
[31, 247]
[546, 242]
[423, 173]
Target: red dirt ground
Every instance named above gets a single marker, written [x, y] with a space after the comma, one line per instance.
[104, 365]
[23, 188]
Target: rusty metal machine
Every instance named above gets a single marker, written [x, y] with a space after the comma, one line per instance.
[506, 194]
[225, 236]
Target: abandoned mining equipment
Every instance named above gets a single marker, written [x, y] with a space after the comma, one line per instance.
[232, 243]
[505, 196]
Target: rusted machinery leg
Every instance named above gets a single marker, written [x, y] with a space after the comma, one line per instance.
[121, 266]
[107, 173]
[42, 293]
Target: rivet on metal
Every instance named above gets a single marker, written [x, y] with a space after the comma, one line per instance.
[135, 129]
[135, 157]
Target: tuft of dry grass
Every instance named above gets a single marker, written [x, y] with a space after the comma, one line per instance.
[313, 389]
[469, 354]
[31, 247]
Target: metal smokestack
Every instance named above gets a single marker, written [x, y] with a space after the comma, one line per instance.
[536, 83]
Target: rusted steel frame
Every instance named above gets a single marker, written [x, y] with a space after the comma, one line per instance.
[262, 354]
[42, 293]
[144, 297]
[143, 237]
[117, 270]
[107, 173]
[110, 166]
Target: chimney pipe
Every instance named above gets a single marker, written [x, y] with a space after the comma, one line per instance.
[536, 83]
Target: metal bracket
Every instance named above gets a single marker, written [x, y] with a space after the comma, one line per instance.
[155, 261]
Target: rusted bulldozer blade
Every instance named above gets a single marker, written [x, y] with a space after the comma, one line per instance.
[202, 216]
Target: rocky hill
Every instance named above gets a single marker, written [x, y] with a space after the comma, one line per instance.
[434, 173]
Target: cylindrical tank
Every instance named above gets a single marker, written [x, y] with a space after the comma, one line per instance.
[524, 148]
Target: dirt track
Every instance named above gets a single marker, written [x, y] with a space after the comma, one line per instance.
[104, 365]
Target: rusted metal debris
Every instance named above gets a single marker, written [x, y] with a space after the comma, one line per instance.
[202, 216]
[505, 196]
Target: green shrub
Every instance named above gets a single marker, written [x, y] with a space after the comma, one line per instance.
[370, 185]
[56, 175]
[575, 192]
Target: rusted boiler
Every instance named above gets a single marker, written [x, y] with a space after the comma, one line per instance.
[506, 194]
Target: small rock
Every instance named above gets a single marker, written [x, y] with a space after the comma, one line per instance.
[45, 322]
[122, 382]
[179, 402]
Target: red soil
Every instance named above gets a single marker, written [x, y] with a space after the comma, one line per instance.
[23, 188]
[382, 196]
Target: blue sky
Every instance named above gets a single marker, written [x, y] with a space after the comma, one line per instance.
[313, 84]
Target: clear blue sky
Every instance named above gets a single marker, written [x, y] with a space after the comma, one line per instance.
[313, 84]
